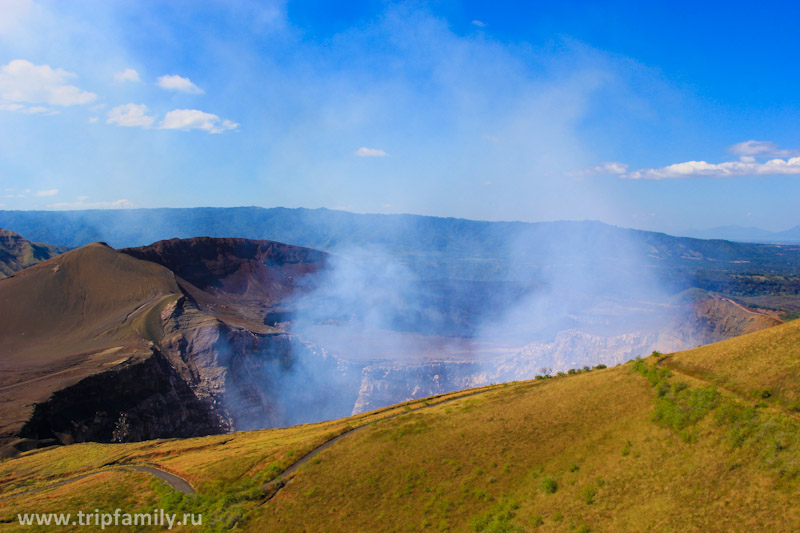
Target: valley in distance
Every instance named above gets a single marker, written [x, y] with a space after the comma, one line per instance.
[318, 370]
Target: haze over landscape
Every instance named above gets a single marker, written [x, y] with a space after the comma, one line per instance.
[529, 112]
[418, 266]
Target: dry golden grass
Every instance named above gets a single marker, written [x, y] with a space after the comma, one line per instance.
[765, 361]
[216, 464]
[479, 462]
[442, 469]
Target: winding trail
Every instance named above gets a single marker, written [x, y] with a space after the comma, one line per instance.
[176, 482]
[281, 480]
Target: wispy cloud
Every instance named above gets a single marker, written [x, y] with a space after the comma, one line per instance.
[23, 82]
[479, 23]
[48, 192]
[194, 119]
[127, 75]
[81, 203]
[131, 116]
[370, 152]
[178, 83]
[31, 110]
[752, 148]
[606, 167]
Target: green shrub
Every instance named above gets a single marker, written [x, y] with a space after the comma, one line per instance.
[662, 389]
[536, 520]
[626, 450]
[683, 409]
[574, 467]
[588, 492]
[600, 367]
[548, 485]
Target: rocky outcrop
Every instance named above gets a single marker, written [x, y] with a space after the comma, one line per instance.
[388, 383]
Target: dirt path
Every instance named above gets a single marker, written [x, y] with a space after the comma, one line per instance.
[273, 487]
[176, 482]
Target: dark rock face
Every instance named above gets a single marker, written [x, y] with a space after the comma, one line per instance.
[140, 401]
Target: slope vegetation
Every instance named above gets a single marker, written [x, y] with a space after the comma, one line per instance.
[707, 439]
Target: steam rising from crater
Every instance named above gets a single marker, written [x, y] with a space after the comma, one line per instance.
[568, 295]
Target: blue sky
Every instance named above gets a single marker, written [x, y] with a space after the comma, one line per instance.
[651, 115]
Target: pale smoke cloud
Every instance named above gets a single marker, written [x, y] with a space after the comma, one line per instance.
[15, 13]
[48, 192]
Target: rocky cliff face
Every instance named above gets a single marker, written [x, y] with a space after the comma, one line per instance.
[145, 399]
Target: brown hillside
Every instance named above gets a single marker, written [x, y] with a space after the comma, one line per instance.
[68, 318]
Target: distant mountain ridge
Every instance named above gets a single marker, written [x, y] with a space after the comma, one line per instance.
[746, 234]
[434, 248]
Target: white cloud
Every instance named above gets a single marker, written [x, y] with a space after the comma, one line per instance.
[11, 107]
[131, 116]
[48, 192]
[193, 119]
[93, 120]
[751, 148]
[727, 169]
[749, 152]
[127, 75]
[479, 23]
[22, 81]
[81, 203]
[370, 152]
[178, 83]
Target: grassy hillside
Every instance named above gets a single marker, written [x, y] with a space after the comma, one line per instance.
[707, 439]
